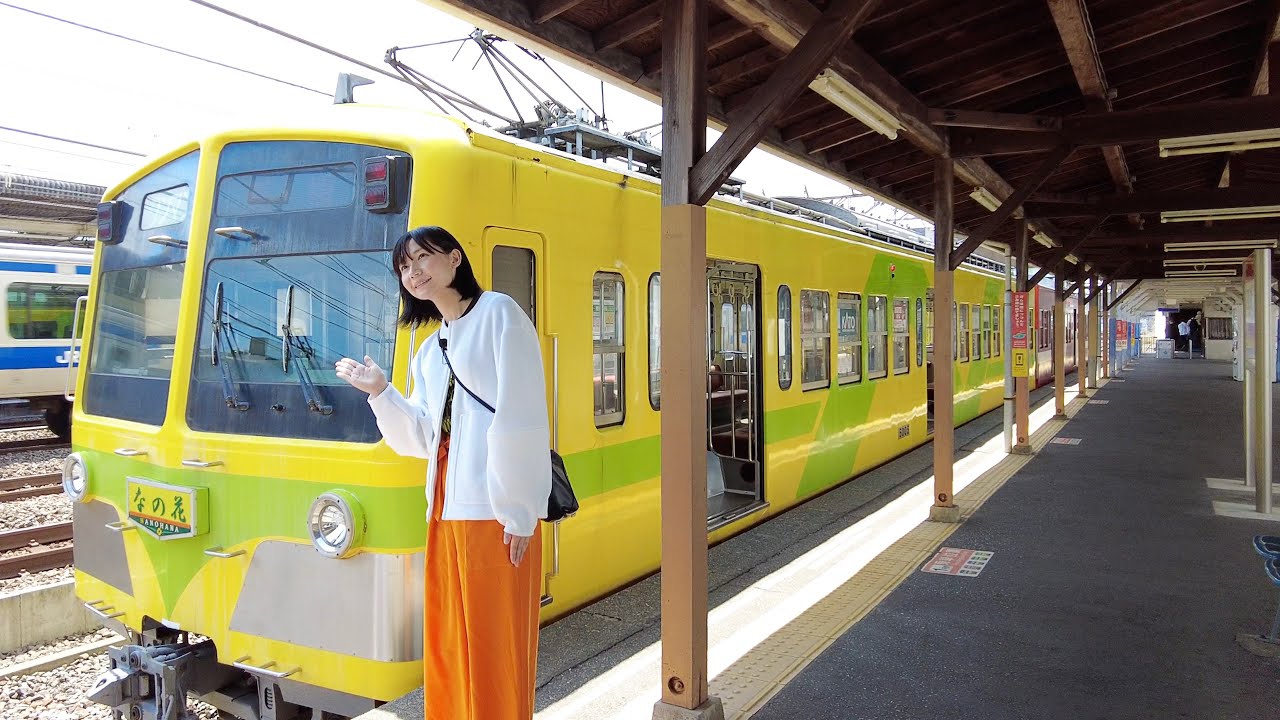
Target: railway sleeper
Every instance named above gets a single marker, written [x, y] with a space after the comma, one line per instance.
[153, 679]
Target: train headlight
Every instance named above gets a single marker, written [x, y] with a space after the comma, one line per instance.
[75, 477]
[336, 522]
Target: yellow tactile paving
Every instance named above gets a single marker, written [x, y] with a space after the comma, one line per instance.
[758, 675]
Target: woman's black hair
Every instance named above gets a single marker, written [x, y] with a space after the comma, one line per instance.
[433, 239]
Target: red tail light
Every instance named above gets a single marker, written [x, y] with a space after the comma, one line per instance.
[110, 222]
[386, 181]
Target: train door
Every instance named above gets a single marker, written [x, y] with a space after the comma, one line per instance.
[514, 259]
[734, 470]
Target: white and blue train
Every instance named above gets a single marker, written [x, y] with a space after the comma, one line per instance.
[42, 286]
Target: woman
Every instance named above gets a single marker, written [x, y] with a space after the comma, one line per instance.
[487, 484]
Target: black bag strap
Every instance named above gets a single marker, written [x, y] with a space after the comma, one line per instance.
[457, 379]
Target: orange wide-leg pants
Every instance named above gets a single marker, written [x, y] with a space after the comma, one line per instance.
[480, 650]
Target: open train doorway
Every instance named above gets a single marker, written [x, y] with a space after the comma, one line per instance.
[734, 468]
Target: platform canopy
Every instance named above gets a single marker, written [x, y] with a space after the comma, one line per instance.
[1100, 117]
[47, 212]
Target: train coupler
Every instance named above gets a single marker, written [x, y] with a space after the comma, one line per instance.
[151, 682]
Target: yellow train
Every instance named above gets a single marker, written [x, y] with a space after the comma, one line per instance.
[237, 514]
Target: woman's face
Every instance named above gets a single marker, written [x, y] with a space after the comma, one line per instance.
[426, 275]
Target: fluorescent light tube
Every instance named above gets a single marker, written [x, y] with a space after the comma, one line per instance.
[1219, 245]
[983, 197]
[1205, 261]
[1240, 213]
[1044, 240]
[1199, 273]
[1223, 142]
[1073, 259]
[842, 94]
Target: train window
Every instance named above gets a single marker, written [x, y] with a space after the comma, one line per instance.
[997, 332]
[877, 336]
[976, 345]
[292, 190]
[608, 348]
[901, 335]
[165, 207]
[955, 331]
[928, 319]
[269, 330]
[963, 317]
[848, 338]
[131, 355]
[815, 339]
[42, 311]
[784, 337]
[986, 331]
[513, 273]
[655, 341]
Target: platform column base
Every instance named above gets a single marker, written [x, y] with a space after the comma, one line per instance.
[712, 709]
[1023, 449]
[1060, 416]
[939, 513]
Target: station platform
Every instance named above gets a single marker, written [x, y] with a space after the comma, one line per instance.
[1121, 573]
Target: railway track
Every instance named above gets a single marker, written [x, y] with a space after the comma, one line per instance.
[36, 557]
[30, 486]
[12, 446]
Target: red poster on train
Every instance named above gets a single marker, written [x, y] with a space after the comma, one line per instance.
[1019, 321]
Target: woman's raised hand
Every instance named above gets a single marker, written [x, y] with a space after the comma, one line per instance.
[367, 376]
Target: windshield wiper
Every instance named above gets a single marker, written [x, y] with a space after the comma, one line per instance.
[309, 391]
[222, 333]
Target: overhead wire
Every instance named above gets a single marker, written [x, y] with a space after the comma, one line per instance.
[458, 97]
[164, 49]
[69, 140]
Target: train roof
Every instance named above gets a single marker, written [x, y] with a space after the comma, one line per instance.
[45, 254]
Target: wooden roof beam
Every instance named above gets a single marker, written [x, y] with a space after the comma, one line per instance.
[1072, 19]
[721, 34]
[1127, 126]
[1153, 202]
[805, 60]
[543, 10]
[629, 27]
[783, 23]
[1060, 254]
[1008, 205]
[1181, 232]
[1260, 79]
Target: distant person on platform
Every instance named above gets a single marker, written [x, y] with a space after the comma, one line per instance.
[1184, 335]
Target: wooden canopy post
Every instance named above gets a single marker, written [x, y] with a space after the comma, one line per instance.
[1059, 347]
[1082, 341]
[944, 387]
[684, 370]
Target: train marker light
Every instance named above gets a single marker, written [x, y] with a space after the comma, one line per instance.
[384, 180]
[75, 477]
[336, 522]
[110, 222]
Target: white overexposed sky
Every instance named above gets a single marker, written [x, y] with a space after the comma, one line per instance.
[72, 82]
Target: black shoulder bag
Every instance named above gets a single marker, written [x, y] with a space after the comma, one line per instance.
[561, 503]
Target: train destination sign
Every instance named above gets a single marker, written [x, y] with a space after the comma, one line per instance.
[166, 511]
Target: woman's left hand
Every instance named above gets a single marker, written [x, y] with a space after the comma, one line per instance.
[519, 545]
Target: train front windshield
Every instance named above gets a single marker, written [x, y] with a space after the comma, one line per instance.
[297, 275]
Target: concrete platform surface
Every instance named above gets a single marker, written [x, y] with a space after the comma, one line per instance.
[1115, 591]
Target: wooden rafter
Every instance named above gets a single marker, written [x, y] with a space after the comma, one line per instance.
[1127, 126]
[1011, 203]
[791, 78]
[1072, 20]
[544, 10]
[720, 34]
[1059, 255]
[629, 27]
[1152, 202]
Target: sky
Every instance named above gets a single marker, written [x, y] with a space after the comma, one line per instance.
[71, 82]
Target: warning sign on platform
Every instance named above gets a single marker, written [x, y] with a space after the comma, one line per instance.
[1020, 362]
[1018, 322]
[958, 561]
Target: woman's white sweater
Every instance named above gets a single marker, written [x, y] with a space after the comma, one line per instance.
[499, 463]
